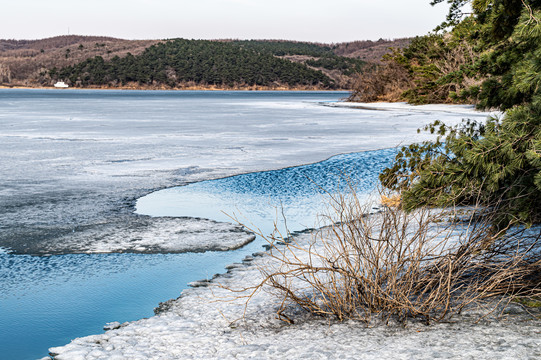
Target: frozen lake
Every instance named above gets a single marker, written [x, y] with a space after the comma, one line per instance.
[75, 162]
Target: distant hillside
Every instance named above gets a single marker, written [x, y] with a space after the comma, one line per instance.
[22, 61]
[51, 43]
[29, 62]
[369, 51]
[342, 70]
[180, 63]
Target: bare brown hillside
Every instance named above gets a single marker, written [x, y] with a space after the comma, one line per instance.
[370, 51]
[21, 61]
[50, 43]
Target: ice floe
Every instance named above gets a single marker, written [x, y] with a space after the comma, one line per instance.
[154, 235]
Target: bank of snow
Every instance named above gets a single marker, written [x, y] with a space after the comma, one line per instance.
[200, 326]
[464, 110]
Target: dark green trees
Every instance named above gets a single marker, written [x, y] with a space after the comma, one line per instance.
[497, 165]
[180, 61]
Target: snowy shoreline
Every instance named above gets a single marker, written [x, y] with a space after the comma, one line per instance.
[206, 322]
[193, 326]
[464, 110]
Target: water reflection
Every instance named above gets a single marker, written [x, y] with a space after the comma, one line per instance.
[257, 197]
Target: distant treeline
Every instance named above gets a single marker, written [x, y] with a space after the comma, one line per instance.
[323, 55]
[281, 48]
[177, 62]
[347, 66]
[51, 43]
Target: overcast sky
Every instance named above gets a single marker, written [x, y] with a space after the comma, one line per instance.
[309, 20]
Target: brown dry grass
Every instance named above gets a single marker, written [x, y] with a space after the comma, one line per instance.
[391, 200]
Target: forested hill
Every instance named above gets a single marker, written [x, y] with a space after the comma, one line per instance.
[179, 63]
[318, 56]
[108, 62]
[22, 61]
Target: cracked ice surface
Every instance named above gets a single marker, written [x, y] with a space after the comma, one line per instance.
[75, 162]
[159, 235]
[76, 159]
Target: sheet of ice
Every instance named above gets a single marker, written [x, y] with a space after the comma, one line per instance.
[463, 110]
[158, 235]
[76, 161]
[198, 326]
[80, 158]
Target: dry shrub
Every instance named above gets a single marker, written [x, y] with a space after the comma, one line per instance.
[384, 82]
[427, 264]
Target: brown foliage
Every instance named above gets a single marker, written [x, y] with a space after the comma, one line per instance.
[393, 264]
[385, 82]
[370, 51]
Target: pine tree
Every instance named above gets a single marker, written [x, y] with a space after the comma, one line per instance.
[497, 164]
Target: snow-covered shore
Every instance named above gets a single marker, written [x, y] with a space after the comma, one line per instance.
[205, 323]
[196, 325]
[465, 110]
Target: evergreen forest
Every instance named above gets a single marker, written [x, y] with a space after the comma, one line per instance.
[229, 64]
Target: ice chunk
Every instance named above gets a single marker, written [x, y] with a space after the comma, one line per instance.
[153, 235]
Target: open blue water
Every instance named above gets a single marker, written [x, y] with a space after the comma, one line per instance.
[48, 301]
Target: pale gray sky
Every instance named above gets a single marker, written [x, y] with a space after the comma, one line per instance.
[315, 20]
